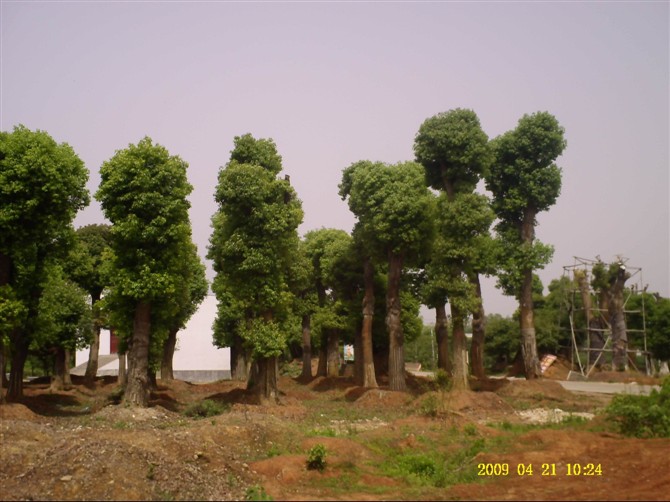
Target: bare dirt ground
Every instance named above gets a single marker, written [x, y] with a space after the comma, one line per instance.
[424, 444]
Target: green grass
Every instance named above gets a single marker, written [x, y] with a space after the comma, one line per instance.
[206, 408]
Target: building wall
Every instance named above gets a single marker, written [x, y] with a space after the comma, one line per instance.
[195, 358]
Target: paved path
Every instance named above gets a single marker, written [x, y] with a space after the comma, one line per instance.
[608, 388]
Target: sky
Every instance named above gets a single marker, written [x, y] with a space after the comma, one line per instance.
[333, 83]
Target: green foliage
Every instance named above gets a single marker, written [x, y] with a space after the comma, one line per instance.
[642, 416]
[12, 310]
[523, 174]
[264, 338]
[254, 247]
[443, 380]
[64, 316]
[657, 322]
[205, 408]
[316, 457]
[84, 264]
[143, 193]
[392, 204]
[257, 492]
[452, 146]
[422, 349]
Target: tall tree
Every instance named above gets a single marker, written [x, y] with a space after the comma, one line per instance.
[394, 210]
[84, 267]
[143, 193]
[253, 243]
[525, 181]
[42, 186]
[454, 151]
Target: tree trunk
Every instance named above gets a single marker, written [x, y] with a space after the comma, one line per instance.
[306, 347]
[531, 360]
[333, 353]
[3, 378]
[67, 378]
[478, 331]
[592, 323]
[92, 365]
[122, 378]
[151, 378]
[19, 356]
[442, 337]
[137, 388]
[263, 379]
[322, 368]
[460, 374]
[394, 326]
[369, 378]
[167, 372]
[618, 321]
[58, 378]
[239, 363]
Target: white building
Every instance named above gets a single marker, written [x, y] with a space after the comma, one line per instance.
[196, 359]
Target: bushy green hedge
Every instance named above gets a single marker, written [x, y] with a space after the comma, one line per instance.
[642, 416]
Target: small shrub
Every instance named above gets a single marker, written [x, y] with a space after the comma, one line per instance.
[205, 408]
[257, 492]
[430, 406]
[443, 380]
[470, 430]
[316, 458]
[642, 416]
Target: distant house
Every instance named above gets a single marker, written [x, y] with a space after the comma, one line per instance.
[196, 359]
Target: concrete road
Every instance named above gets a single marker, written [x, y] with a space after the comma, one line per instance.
[608, 388]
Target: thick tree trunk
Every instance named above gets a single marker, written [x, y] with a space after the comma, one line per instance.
[460, 371]
[368, 364]
[618, 321]
[167, 372]
[531, 361]
[67, 378]
[478, 331]
[57, 379]
[19, 356]
[394, 326]
[239, 361]
[92, 365]
[442, 337]
[333, 353]
[122, 378]
[137, 388]
[306, 347]
[322, 367]
[263, 379]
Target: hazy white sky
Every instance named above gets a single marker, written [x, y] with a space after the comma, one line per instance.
[333, 83]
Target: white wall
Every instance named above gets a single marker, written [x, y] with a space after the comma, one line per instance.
[195, 350]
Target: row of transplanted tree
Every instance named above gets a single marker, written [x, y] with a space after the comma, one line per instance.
[409, 245]
[145, 262]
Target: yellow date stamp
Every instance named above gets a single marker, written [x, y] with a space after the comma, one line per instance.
[564, 469]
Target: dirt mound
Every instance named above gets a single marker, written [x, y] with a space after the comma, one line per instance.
[16, 411]
[559, 370]
[382, 399]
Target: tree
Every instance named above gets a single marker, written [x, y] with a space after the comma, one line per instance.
[64, 323]
[525, 181]
[394, 210]
[143, 193]
[324, 248]
[84, 267]
[42, 186]
[252, 246]
[454, 151]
